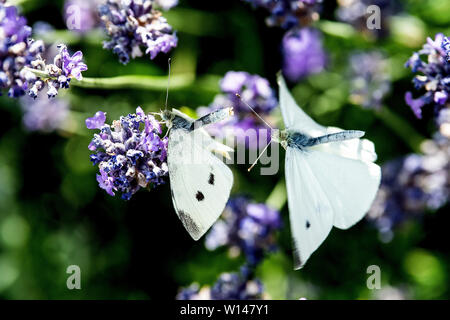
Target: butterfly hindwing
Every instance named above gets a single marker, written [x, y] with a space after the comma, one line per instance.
[200, 182]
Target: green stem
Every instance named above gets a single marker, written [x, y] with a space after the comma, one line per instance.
[402, 128]
[178, 81]
[136, 82]
[278, 197]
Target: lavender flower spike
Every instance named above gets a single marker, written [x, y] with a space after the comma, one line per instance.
[136, 24]
[433, 78]
[59, 73]
[129, 157]
[17, 50]
[302, 53]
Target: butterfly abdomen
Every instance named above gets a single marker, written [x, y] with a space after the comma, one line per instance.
[302, 141]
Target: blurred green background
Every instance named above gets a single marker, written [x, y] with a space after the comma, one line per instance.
[52, 213]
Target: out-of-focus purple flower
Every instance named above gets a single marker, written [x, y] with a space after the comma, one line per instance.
[370, 80]
[44, 115]
[412, 185]
[130, 153]
[17, 51]
[58, 74]
[229, 286]
[244, 125]
[247, 226]
[81, 15]
[132, 25]
[97, 121]
[289, 13]
[433, 77]
[355, 13]
[303, 53]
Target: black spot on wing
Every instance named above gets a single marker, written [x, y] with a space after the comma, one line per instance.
[199, 196]
[189, 224]
[308, 224]
[211, 179]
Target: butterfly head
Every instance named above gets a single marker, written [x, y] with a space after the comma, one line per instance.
[280, 137]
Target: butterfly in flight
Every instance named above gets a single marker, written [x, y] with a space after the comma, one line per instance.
[331, 177]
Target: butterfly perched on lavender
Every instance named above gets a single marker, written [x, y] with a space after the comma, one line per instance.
[200, 182]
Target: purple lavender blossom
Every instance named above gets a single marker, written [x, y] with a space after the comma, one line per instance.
[411, 186]
[302, 53]
[81, 15]
[248, 226]
[44, 115]
[433, 77]
[255, 91]
[59, 73]
[132, 25]
[289, 13]
[17, 51]
[129, 157]
[229, 286]
[370, 80]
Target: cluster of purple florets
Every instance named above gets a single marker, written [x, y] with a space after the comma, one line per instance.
[130, 153]
[434, 76]
[17, 50]
[370, 80]
[58, 74]
[289, 13]
[133, 25]
[412, 185]
[19, 54]
[247, 226]
[229, 286]
[302, 49]
[254, 91]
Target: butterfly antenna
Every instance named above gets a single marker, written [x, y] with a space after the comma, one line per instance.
[168, 83]
[240, 98]
[256, 161]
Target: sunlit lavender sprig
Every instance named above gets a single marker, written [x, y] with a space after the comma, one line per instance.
[370, 79]
[303, 53]
[17, 50]
[136, 24]
[58, 74]
[246, 226]
[229, 286]
[130, 153]
[44, 115]
[289, 13]
[433, 79]
[255, 91]
[412, 185]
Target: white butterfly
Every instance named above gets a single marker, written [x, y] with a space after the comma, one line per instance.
[331, 177]
[200, 182]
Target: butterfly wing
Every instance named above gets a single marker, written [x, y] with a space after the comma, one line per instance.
[325, 189]
[200, 182]
[310, 212]
[293, 116]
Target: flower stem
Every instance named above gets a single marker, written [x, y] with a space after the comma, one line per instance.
[177, 81]
[278, 196]
[402, 128]
[136, 82]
